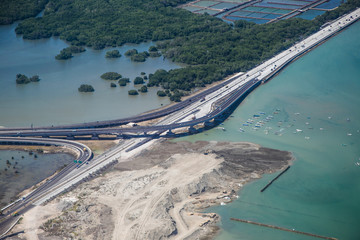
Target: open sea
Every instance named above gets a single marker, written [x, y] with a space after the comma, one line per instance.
[312, 110]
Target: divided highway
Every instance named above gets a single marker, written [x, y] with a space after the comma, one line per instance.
[201, 108]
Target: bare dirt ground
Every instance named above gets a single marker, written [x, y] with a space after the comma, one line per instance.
[156, 195]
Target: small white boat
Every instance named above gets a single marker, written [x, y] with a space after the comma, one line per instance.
[349, 134]
[299, 130]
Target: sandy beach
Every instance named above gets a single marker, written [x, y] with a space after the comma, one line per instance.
[158, 194]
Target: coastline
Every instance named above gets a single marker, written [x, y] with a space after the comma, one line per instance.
[159, 193]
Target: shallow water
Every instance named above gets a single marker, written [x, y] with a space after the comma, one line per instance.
[315, 107]
[55, 99]
[26, 170]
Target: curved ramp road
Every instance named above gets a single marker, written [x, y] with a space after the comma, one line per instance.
[201, 108]
[20, 206]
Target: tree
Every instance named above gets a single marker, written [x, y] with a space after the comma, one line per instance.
[131, 52]
[22, 79]
[161, 93]
[153, 49]
[64, 55]
[143, 89]
[111, 76]
[133, 92]
[113, 85]
[86, 88]
[76, 49]
[11, 11]
[123, 81]
[138, 58]
[35, 78]
[138, 80]
[113, 54]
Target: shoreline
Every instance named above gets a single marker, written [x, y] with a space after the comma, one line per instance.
[96, 146]
[159, 193]
[345, 28]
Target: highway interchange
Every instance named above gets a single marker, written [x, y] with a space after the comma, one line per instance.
[203, 108]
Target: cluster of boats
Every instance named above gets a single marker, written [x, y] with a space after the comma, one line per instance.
[256, 123]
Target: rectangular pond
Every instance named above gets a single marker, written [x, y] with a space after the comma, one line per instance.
[205, 3]
[224, 5]
[310, 14]
[330, 4]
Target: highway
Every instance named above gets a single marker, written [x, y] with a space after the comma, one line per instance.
[82, 152]
[203, 108]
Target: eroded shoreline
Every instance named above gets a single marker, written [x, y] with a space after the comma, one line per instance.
[158, 194]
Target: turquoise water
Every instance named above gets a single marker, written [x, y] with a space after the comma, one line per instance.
[55, 99]
[315, 107]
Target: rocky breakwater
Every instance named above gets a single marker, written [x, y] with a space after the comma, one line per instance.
[157, 195]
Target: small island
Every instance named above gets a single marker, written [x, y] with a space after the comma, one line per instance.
[143, 89]
[135, 56]
[23, 79]
[66, 53]
[133, 92]
[111, 76]
[138, 80]
[113, 54]
[123, 81]
[86, 88]
[161, 93]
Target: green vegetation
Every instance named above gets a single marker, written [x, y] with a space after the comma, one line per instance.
[111, 76]
[66, 53]
[133, 92]
[123, 81]
[35, 78]
[161, 93]
[153, 52]
[131, 52]
[138, 57]
[138, 80]
[63, 55]
[86, 88]
[23, 79]
[153, 49]
[143, 89]
[113, 54]
[113, 85]
[12, 10]
[211, 48]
